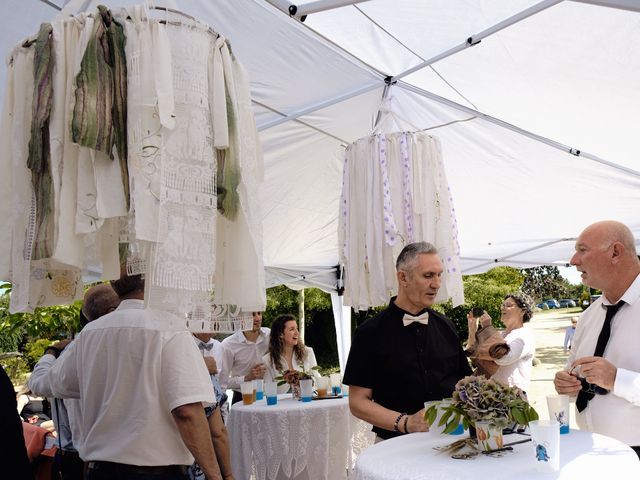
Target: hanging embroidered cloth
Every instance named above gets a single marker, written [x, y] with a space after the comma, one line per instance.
[395, 192]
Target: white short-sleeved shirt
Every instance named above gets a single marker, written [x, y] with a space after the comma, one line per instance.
[130, 369]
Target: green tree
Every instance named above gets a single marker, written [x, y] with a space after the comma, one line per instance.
[484, 290]
[545, 282]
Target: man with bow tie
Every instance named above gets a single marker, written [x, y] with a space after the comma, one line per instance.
[216, 414]
[407, 354]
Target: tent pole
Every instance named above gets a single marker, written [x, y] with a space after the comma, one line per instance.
[319, 106]
[322, 5]
[515, 254]
[631, 5]
[477, 38]
[513, 128]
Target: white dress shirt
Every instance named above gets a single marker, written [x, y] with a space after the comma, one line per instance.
[240, 356]
[516, 366]
[66, 414]
[130, 369]
[307, 365]
[616, 414]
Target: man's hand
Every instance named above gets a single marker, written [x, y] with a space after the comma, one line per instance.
[256, 372]
[566, 384]
[211, 364]
[597, 370]
[416, 423]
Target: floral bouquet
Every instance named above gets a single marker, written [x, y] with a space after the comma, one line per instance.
[478, 399]
[293, 377]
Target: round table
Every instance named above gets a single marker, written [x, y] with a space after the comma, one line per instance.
[295, 440]
[583, 455]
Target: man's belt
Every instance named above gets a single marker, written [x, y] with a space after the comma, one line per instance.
[69, 453]
[116, 468]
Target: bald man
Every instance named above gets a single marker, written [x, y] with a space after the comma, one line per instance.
[603, 369]
[98, 301]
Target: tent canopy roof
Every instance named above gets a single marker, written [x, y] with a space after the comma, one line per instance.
[537, 120]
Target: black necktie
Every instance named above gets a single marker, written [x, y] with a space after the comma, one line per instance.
[603, 338]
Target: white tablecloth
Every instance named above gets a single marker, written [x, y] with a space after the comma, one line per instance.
[583, 455]
[313, 440]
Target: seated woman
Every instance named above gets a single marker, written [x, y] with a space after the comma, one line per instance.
[286, 353]
[34, 410]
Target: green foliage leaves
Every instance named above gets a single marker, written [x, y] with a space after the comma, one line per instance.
[485, 290]
[545, 282]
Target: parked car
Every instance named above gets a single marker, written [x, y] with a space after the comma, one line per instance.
[552, 303]
[543, 306]
[567, 303]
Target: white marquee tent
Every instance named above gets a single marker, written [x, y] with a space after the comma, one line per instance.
[535, 102]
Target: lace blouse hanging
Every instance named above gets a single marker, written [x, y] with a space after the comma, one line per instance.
[190, 131]
[394, 193]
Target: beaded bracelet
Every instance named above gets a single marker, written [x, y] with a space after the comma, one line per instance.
[397, 422]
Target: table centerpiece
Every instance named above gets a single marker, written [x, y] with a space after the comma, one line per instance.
[293, 377]
[486, 405]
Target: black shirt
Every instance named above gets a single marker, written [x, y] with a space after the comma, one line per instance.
[406, 366]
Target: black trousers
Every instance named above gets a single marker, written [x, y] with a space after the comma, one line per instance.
[637, 450]
[70, 465]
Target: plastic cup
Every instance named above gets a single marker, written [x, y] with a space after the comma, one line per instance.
[545, 436]
[345, 390]
[559, 411]
[259, 383]
[322, 386]
[271, 392]
[246, 388]
[306, 388]
[460, 428]
[336, 383]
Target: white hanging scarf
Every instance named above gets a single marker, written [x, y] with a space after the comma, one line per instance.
[394, 193]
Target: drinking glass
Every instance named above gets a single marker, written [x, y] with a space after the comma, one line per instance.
[246, 388]
[306, 386]
[271, 392]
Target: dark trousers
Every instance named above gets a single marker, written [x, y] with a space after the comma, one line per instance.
[237, 397]
[118, 471]
[637, 450]
[70, 465]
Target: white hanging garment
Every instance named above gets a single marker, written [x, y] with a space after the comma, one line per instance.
[394, 193]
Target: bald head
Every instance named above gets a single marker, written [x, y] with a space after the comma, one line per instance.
[99, 301]
[606, 257]
[609, 231]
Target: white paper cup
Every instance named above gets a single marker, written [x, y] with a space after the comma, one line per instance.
[545, 436]
[559, 411]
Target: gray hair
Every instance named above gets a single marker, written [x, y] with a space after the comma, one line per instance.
[524, 302]
[410, 252]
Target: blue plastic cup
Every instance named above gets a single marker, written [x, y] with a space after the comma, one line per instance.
[272, 400]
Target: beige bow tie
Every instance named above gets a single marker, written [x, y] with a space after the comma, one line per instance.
[409, 319]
